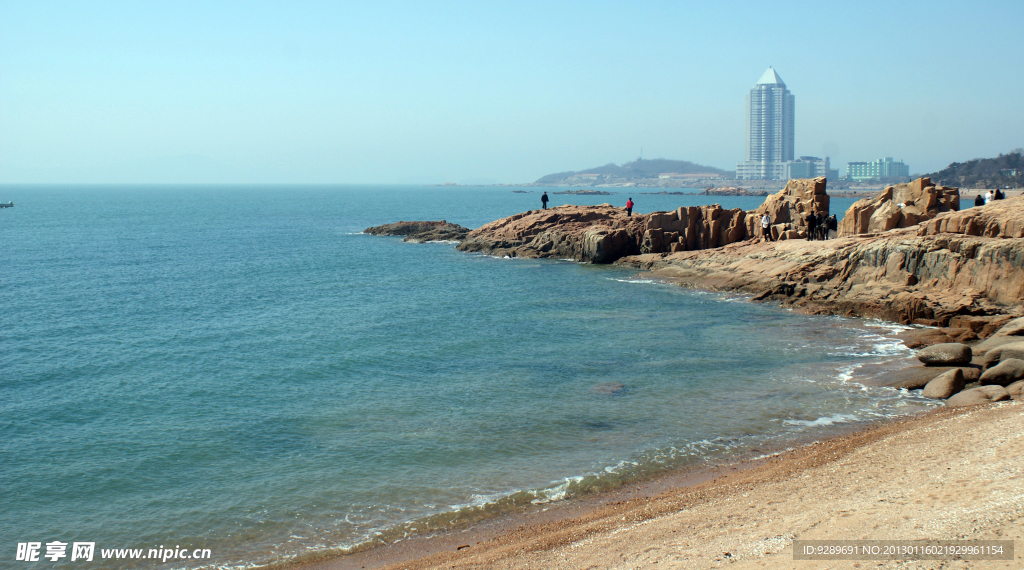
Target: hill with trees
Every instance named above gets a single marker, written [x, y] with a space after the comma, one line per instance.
[1000, 172]
[639, 169]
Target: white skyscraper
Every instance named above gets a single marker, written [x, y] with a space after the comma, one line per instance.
[770, 145]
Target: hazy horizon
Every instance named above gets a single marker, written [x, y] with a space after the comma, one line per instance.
[429, 93]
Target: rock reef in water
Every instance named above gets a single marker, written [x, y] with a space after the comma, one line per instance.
[789, 207]
[729, 191]
[421, 231]
[899, 206]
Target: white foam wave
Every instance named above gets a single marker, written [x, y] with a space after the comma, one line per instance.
[823, 421]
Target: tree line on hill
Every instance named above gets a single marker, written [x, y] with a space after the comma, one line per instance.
[1006, 170]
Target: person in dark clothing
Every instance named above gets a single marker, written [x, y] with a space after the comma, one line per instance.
[833, 225]
[812, 223]
[544, 200]
[999, 194]
[979, 200]
[629, 207]
[820, 226]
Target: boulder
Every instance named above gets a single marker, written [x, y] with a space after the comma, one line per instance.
[975, 396]
[917, 377]
[1001, 353]
[945, 385]
[1016, 390]
[899, 206]
[1003, 374]
[920, 338]
[945, 354]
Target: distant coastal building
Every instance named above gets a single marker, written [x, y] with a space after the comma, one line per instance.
[770, 125]
[877, 169]
[810, 167]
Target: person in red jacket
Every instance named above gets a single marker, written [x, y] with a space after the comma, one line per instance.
[629, 207]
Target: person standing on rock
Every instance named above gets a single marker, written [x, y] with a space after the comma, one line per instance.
[544, 200]
[629, 207]
[812, 223]
[766, 227]
[819, 224]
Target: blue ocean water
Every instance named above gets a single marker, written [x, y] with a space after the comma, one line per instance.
[241, 369]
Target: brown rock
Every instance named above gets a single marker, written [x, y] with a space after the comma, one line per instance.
[1003, 374]
[975, 396]
[1016, 390]
[1014, 327]
[421, 231]
[920, 338]
[917, 377]
[944, 385]
[1001, 353]
[992, 220]
[995, 341]
[900, 206]
[945, 354]
[790, 206]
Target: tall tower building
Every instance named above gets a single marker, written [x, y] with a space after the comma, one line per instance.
[770, 144]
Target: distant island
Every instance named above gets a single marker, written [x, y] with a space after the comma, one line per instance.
[1006, 170]
[731, 191]
[643, 173]
[586, 192]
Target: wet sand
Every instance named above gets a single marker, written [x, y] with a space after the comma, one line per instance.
[948, 474]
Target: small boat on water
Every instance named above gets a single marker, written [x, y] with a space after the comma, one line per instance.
[7, 205]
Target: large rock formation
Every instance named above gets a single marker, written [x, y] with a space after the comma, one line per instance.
[899, 276]
[789, 207]
[598, 234]
[602, 234]
[899, 206]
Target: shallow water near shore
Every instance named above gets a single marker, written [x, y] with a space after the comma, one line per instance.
[241, 369]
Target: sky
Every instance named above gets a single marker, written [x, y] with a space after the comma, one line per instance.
[488, 92]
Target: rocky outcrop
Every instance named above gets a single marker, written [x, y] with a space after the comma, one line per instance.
[597, 234]
[997, 219]
[899, 276]
[789, 207]
[421, 231]
[602, 234]
[900, 206]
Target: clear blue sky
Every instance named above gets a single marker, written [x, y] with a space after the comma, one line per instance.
[395, 92]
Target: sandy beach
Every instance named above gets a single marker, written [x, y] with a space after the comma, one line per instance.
[952, 474]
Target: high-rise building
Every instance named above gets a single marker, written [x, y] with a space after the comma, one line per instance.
[881, 169]
[770, 121]
[810, 167]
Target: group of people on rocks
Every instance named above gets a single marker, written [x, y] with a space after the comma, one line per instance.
[819, 226]
[981, 200]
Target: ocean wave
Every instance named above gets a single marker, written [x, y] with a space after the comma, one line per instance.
[823, 421]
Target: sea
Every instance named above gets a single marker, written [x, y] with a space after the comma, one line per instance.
[240, 369]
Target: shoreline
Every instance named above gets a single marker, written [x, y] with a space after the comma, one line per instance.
[586, 528]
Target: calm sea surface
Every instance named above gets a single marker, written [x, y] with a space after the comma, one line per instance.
[241, 369]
